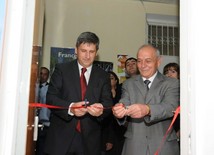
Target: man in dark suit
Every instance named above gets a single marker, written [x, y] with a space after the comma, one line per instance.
[77, 131]
[150, 105]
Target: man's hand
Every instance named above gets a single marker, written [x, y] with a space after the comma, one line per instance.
[119, 110]
[78, 111]
[109, 146]
[138, 110]
[95, 109]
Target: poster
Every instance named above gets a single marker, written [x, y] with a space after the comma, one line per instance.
[61, 55]
[121, 59]
[107, 66]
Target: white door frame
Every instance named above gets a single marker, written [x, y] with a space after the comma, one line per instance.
[196, 60]
[15, 71]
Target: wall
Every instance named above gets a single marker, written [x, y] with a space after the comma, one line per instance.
[120, 24]
[167, 59]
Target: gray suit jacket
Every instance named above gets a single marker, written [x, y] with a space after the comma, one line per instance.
[146, 133]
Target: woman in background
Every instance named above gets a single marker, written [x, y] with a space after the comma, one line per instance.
[173, 70]
[113, 138]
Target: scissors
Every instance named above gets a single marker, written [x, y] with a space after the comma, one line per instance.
[86, 103]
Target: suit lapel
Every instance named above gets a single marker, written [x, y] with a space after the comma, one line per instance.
[141, 86]
[92, 81]
[76, 77]
[154, 86]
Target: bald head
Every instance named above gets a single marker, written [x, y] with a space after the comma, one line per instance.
[148, 60]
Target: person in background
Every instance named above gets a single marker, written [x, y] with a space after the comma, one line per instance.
[115, 87]
[149, 100]
[173, 70]
[77, 130]
[131, 67]
[43, 113]
[113, 133]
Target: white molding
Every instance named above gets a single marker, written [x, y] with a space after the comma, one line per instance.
[166, 20]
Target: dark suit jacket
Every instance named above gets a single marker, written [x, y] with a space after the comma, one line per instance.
[112, 131]
[64, 89]
[147, 132]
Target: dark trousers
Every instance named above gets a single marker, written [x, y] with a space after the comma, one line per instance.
[76, 147]
[42, 132]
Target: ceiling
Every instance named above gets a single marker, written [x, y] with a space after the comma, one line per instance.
[163, 1]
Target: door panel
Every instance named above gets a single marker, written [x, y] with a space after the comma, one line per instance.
[30, 145]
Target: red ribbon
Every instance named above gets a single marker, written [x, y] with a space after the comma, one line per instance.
[40, 105]
[177, 111]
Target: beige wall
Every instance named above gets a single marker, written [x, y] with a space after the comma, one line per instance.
[120, 24]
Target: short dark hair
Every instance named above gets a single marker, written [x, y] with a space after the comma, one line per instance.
[88, 37]
[41, 68]
[131, 58]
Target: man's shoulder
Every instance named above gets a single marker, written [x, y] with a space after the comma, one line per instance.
[134, 78]
[99, 70]
[167, 81]
[66, 64]
[131, 82]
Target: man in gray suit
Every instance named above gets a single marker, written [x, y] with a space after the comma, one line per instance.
[150, 107]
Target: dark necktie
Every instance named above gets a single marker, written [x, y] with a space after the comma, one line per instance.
[40, 85]
[83, 90]
[147, 82]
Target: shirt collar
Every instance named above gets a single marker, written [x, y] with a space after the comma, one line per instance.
[151, 79]
[43, 84]
[88, 68]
